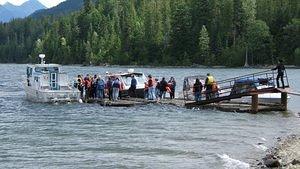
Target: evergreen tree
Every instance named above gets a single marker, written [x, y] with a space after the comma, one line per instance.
[204, 54]
[181, 36]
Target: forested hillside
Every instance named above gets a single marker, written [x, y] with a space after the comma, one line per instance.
[160, 32]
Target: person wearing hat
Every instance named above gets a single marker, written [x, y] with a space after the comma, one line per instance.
[280, 73]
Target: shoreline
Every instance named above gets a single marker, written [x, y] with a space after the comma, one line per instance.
[285, 154]
[178, 67]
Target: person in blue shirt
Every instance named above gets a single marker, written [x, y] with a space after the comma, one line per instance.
[132, 88]
[100, 88]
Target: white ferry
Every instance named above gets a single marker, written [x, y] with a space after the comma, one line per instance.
[47, 83]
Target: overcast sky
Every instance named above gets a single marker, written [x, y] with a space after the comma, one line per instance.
[47, 3]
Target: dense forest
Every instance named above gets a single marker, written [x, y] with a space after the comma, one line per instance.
[160, 32]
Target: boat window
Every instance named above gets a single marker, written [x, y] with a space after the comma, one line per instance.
[45, 69]
[139, 78]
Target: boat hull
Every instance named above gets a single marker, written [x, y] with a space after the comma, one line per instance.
[50, 96]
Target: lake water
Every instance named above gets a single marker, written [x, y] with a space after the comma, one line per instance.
[154, 136]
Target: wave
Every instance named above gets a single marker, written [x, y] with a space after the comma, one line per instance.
[261, 147]
[230, 163]
[263, 139]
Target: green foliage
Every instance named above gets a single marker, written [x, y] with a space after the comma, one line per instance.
[159, 32]
[204, 54]
[232, 57]
[259, 41]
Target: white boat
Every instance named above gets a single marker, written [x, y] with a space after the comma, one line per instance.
[265, 98]
[47, 83]
[125, 79]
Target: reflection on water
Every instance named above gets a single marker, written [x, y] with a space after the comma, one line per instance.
[153, 136]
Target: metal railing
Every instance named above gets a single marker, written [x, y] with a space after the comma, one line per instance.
[245, 84]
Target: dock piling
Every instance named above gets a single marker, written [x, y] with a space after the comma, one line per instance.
[254, 103]
[284, 97]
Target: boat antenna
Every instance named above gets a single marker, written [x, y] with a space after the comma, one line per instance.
[42, 56]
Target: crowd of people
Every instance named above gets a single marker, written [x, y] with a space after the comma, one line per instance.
[210, 86]
[157, 90]
[96, 87]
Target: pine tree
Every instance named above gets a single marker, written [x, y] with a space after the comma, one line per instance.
[204, 54]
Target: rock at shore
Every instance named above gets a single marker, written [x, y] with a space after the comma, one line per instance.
[286, 154]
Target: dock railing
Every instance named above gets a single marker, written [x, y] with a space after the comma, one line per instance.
[243, 85]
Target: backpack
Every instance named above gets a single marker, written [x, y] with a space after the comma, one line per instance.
[101, 84]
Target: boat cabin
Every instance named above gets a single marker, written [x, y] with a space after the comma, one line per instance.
[46, 76]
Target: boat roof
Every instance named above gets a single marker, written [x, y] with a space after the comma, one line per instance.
[45, 65]
[124, 74]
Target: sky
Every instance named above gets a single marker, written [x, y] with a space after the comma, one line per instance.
[47, 3]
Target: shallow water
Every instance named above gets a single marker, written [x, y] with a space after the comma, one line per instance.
[153, 136]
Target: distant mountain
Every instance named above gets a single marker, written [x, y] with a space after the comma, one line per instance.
[9, 11]
[63, 8]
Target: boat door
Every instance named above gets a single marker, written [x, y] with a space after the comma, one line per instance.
[54, 80]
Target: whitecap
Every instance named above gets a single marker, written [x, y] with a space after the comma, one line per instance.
[230, 163]
[261, 147]
[263, 139]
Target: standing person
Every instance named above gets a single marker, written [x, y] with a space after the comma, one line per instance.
[157, 89]
[208, 85]
[109, 88]
[132, 88]
[172, 85]
[197, 89]
[80, 85]
[87, 86]
[151, 88]
[116, 89]
[163, 87]
[94, 86]
[100, 88]
[280, 73]
[146, 90]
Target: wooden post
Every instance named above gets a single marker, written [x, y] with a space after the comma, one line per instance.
[284, 97]
[254, 104]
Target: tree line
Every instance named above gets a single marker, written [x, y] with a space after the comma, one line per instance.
[160, 32]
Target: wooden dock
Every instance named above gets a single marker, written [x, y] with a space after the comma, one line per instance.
[222, 101]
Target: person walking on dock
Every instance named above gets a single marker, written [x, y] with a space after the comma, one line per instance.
[280, 73]
[197, 89]
[100, 88]
[132, 87]
[116, 89]
[80, 85]
[157, 90]
[172, 84]
[109, 88]
[163, 87]
[208, 85]
[151, 88]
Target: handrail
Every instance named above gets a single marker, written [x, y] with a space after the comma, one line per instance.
[252, 82]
